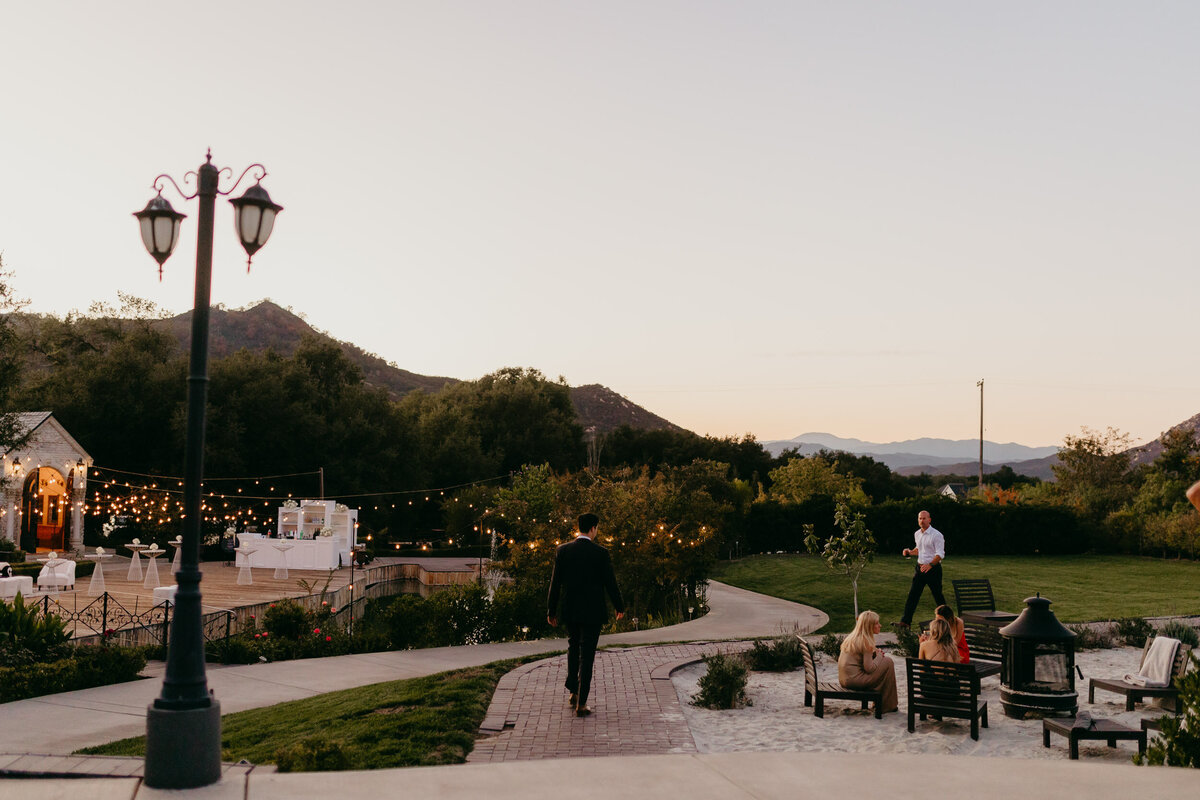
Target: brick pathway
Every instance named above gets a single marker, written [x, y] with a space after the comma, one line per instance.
[635, 710]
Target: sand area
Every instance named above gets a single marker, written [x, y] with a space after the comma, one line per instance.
[778, 721]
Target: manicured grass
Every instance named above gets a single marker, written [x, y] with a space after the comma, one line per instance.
[414, 722]
[1082, 588]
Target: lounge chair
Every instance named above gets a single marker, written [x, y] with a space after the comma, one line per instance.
[1136, 694]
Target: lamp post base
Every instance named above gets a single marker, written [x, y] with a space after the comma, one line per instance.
[183, 748]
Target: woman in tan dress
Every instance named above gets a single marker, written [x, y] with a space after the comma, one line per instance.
[863, 666]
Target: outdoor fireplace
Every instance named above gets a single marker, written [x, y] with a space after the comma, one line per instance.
[1038, 672]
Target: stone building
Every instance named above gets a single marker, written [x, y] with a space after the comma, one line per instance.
[43, 486]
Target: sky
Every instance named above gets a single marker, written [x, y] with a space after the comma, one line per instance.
[748, 217]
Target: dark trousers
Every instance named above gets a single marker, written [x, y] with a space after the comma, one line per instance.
[932, 579]
[581, 655]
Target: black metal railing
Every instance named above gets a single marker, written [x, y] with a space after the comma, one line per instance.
[105, 617]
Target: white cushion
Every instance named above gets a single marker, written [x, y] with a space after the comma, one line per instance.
[164, 593]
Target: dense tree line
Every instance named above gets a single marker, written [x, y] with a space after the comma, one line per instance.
[117, 382]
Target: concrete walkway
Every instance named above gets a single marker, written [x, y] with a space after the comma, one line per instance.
[715, 776]
[63, 723]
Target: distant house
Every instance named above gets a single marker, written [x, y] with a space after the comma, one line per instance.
[955, 491]
[43, 486]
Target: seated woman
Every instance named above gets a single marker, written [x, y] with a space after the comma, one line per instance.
[958, 631]
[938, 644]
[862, 666]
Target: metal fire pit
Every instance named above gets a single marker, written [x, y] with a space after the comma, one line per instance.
[1038, 674]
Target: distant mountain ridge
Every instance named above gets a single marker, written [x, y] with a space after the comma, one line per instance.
[913, 452]
[267, 325]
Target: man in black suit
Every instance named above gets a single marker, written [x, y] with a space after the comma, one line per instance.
[583, 573]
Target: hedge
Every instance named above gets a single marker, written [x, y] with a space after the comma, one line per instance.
[970, 528]
[89, 666]
[82, 568]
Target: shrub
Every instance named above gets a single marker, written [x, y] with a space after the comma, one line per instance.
[831, 645]
[1088, 637]
[84, 668]
[405, 620]
[1133, 631]
[908, 642]
[517, 606]
[781, 654]
[1179, 742]
[724, 684]
[287, 619]
[312, 754]
[234, 650]
[459, 615]
[25, 627]
[1178, 629]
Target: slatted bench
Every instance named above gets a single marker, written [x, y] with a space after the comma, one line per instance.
[1136, 694]
[943, 689]
[820, 691]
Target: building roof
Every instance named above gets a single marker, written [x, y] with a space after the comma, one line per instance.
[28, 422]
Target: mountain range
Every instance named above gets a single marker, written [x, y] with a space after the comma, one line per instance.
[268, 325]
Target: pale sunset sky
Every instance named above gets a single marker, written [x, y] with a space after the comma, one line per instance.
[748, 217]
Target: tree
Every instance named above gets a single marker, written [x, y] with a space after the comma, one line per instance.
[10, 362]
[1160, 512]
[878, 481]
[849, 553]
[804, 478]
[1093, 474]
[114, 380]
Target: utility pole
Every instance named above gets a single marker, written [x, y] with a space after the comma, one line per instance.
[980, 385]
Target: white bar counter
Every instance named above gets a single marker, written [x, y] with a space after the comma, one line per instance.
[319, 553]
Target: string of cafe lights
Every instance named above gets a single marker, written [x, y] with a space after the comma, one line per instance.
[155, 503]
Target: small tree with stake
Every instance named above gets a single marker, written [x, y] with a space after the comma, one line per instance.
[849, 553]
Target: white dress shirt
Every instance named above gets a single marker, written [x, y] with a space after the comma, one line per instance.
[930, 543]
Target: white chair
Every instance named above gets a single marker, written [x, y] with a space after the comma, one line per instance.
[10, 587]
[57, 574]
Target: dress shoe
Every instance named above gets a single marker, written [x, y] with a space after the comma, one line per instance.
[582, 711]
[899, 625]
[573, 700]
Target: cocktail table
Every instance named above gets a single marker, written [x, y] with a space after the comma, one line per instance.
[1100, 729]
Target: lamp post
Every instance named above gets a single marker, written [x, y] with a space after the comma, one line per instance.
[355, 549]
[183, 724]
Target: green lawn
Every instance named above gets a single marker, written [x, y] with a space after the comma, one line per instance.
[1082, 588]
[414, 722]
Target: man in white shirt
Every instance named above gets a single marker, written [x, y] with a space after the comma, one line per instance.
[930, 550]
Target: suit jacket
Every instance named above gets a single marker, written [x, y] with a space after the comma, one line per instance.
[583, 573]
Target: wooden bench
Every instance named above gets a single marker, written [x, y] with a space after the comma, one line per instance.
[942, 689]
[820, 691]
[1136, 694]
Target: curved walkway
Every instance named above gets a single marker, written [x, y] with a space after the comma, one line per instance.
[63, 723]
[635, 708]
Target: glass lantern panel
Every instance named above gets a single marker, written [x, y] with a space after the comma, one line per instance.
[166, 231]
[147, 226]
[248, 219]
[268, 223]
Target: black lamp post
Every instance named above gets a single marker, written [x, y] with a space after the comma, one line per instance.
[183, 725]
